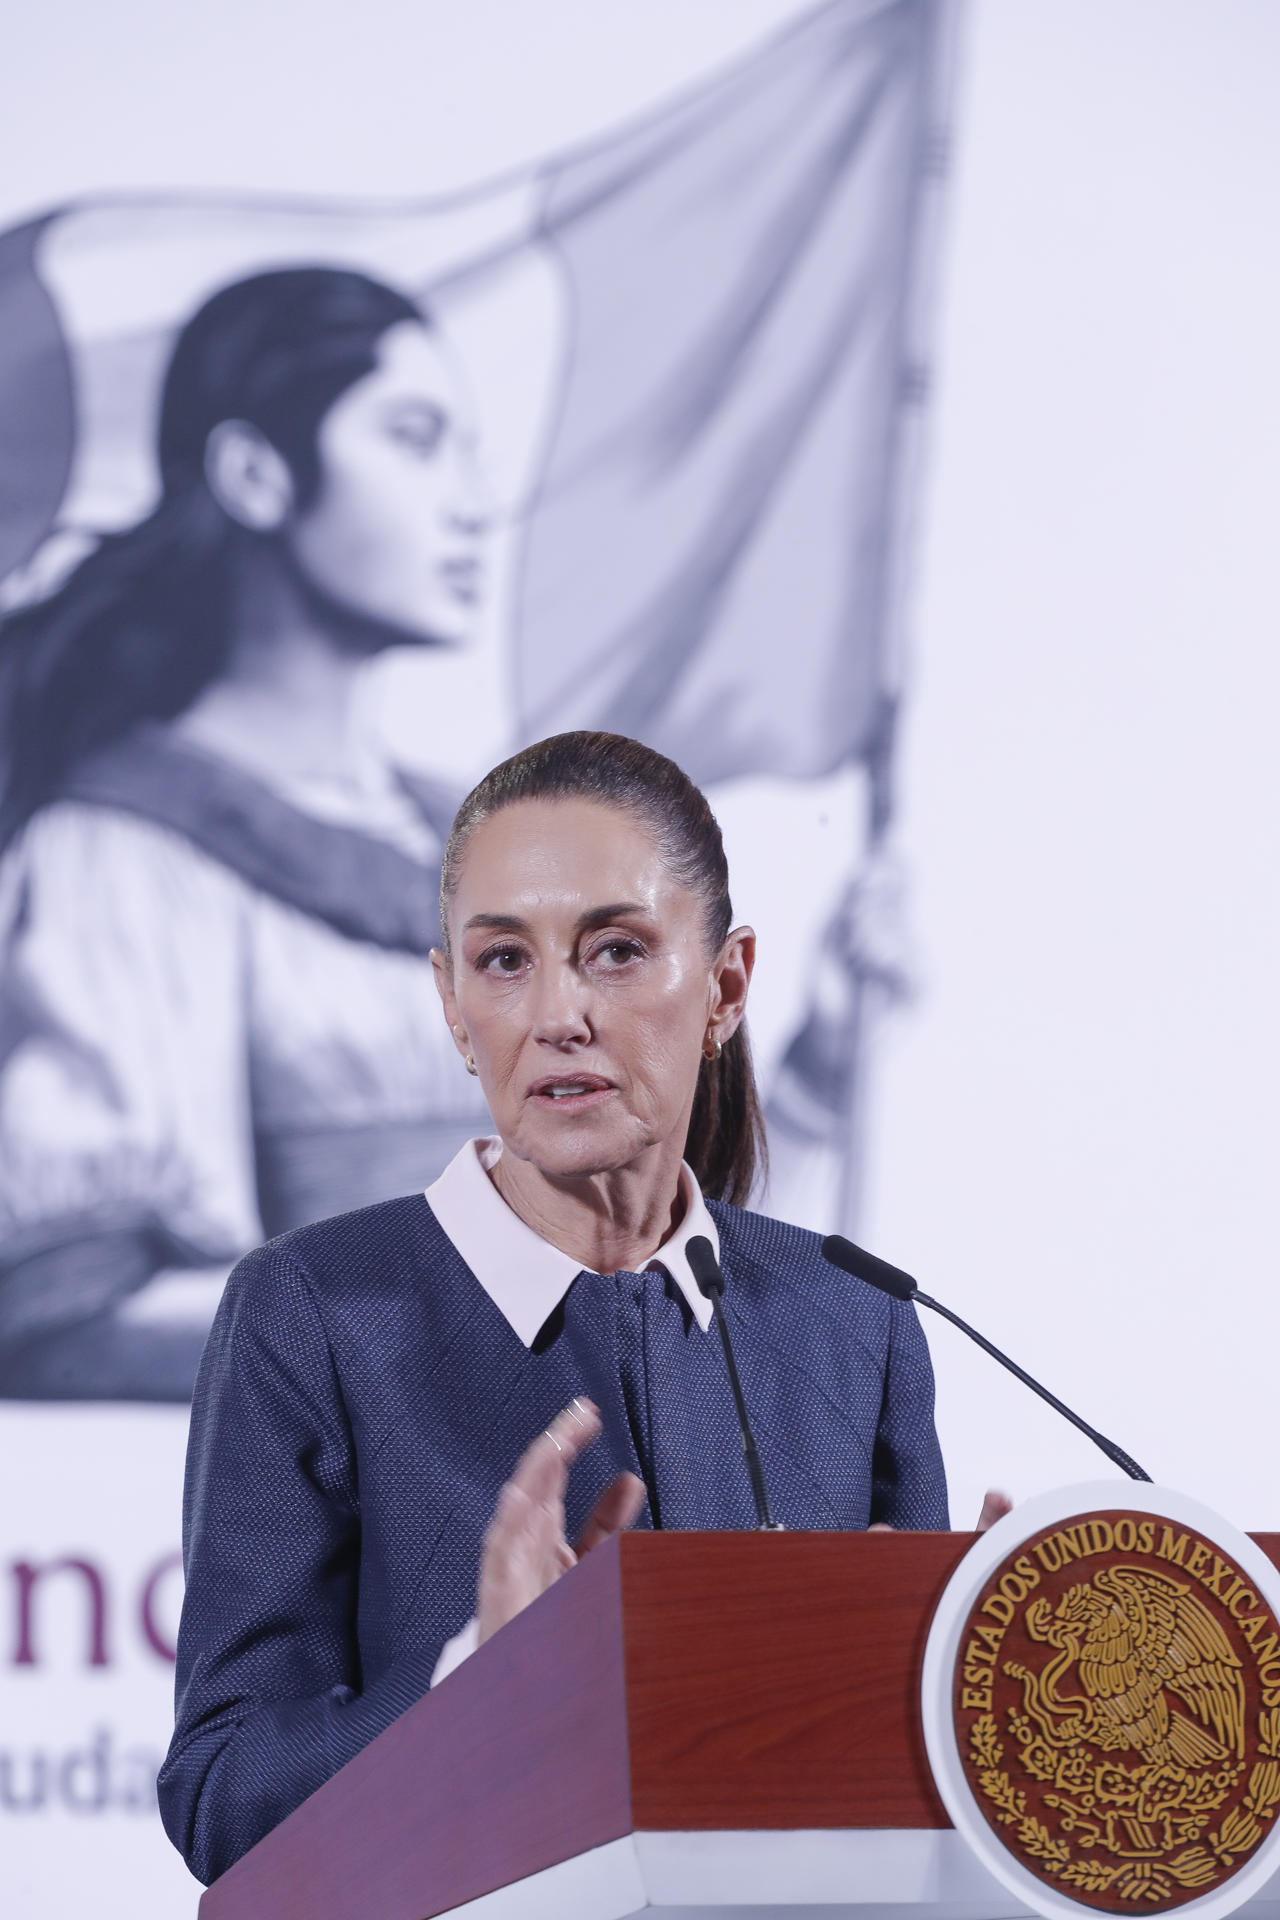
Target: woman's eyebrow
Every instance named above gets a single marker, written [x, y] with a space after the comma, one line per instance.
[601, 916]
[503, 922]
[593, 917]
[415, 403]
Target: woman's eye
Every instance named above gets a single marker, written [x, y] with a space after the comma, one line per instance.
[616, 953]
[418, 429]
[503, 960]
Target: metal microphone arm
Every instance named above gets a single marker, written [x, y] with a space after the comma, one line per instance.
[1114, 1453]
[878, 1273]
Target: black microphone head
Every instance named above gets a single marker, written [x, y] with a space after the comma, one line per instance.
[704, 1266]
[864, 1266]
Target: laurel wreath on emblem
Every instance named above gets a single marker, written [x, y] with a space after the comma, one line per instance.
[1132, 1636]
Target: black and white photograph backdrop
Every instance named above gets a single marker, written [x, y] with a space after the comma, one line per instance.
[870, 404]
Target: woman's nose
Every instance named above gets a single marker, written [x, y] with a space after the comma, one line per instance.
[472, 509]
[561, 1012]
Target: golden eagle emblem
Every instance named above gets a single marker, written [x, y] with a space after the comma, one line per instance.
[1155, 1673]
[1118, 1715]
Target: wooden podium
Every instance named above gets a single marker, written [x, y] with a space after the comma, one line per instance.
[698, 1723]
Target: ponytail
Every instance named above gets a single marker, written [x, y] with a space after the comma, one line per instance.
[135, 634]
[726, 1139]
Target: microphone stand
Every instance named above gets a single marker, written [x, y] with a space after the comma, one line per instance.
[706, 1271]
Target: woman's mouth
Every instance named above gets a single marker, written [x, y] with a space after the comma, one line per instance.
[464, 576]
[571, 1093]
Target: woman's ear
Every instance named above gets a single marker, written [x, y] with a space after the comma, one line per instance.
[730, 981]
[250, 481]
[444, 987]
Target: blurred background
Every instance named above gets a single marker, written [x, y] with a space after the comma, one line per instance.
[873, 405]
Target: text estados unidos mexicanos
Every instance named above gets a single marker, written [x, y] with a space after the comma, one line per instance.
[1092, 1537]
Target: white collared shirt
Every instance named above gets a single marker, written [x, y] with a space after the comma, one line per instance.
[524, 1275]
[527, 1277]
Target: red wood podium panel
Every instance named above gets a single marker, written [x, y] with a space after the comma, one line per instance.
[671, 1683]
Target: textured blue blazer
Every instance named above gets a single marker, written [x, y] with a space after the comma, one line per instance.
[361, 1401]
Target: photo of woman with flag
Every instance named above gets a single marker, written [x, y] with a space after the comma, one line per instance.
[217, 898]
[631, 430]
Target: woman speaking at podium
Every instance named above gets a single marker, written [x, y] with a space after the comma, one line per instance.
[410, 1419]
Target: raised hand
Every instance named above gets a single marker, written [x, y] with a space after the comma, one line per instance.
[525, 1549]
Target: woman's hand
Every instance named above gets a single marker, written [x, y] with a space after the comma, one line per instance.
[995, 1505]
[525, 1549]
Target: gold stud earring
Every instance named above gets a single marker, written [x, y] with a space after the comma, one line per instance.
[470, 1063]
[711, 1049]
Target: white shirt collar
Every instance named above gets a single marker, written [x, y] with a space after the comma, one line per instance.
[523, 1274]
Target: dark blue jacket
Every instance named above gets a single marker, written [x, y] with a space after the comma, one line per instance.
[361, 1401]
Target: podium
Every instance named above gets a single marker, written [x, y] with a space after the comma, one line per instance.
[695, 1724]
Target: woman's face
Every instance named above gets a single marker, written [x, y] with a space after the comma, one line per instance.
[396, 532]
[582, 985]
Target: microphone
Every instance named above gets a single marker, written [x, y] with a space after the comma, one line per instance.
[878, 1273]
[706, 1271]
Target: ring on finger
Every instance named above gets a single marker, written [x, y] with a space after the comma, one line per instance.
[551, 1437]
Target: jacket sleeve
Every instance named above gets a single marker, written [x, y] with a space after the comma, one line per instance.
[909, 1483]
[269, 1695]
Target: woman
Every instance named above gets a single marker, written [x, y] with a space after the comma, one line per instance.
[371, 1382]
[216, 898]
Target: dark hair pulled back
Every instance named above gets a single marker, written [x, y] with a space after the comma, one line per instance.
[726, 1143]
[142, 625]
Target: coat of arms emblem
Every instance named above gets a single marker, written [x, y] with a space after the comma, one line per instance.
[1113, 1692]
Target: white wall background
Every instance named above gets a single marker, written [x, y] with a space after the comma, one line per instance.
[1075, 1130]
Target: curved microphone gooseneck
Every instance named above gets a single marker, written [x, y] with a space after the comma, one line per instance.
[892, 1280]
